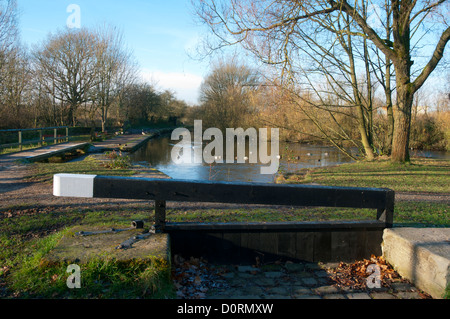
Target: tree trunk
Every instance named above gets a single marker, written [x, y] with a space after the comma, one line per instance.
[362, 125]
[402, 124]
[390, 126]
[389, 111]
[405, 91]
[368, 150]
[104, 118]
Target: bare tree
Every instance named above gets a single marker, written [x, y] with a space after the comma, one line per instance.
[268, 29]
[140, 104]
[16, 76]
[8, 26]
[10, 63]
[115, 70]
[67, 64]
[226, 94]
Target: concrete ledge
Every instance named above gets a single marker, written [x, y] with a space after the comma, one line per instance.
[421, 255]
[82, 249]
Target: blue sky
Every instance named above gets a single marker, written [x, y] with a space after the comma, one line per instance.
[160, 34]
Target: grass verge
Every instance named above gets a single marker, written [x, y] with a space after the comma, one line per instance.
[412, 214]
[43, 172]
[421, 175]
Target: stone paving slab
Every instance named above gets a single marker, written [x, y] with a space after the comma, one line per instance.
[298, 281]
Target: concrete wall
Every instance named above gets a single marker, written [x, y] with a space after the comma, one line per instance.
[421, 255]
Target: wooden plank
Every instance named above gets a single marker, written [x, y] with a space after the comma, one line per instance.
[231, 242]
[275, 226]
[343, 245]
[32, 129]
[304, 244]
[286, 244]
[250, 240]
[328, 246]
[247, 193]
[269, 243]
[322, 246]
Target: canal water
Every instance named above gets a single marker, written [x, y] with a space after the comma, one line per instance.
[157, 153]
[294, 156]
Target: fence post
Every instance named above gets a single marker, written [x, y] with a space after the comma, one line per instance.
[40, 137]
[20, 140]
[160, 215]
[67, 134]
[54, 135]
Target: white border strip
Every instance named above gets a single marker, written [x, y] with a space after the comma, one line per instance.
[73, 185]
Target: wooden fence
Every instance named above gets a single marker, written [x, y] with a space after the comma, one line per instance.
[42, 137]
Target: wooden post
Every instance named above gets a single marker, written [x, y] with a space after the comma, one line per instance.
[386, 214]
[40, 137]
[67, 134]
[160, 215]
[20, 140]
[54, 136]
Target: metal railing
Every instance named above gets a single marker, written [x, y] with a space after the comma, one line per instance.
[55, 137]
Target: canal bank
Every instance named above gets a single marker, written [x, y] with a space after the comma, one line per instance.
[128, 142]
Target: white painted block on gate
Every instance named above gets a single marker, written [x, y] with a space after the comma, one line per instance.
[73, 185]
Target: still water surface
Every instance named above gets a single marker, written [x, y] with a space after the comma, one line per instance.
[157, 152]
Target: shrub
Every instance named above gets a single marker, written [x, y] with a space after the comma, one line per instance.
[117, 160]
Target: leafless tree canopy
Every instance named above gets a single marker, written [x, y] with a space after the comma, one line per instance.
[334, 38]
[227, 95]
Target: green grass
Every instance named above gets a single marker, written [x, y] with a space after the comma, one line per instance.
[422, 214]
[43, 172]
[421, 175]
[27, 276]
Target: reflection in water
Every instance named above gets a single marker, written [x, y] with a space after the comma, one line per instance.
[157, 152]
[295, 156]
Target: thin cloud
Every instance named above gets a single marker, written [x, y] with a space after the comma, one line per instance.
[185, 85]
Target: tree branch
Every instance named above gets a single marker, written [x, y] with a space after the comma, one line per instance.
[370, 33]
[431, 65]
